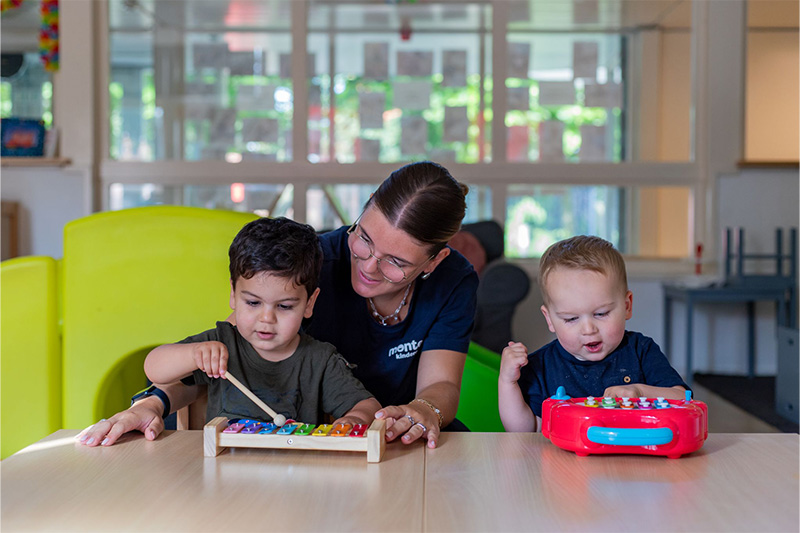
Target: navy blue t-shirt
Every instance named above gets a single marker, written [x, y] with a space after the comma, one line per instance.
[440, 317]
[637, 357]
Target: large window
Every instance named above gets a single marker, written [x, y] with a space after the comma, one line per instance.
[200, 80]
[300, 108]
[394, 89]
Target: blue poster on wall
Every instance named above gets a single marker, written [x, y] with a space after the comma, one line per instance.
[22, 137]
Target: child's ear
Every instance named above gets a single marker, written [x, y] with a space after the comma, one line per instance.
[233, 297]
[310, 304]
[546, 314]
[628, 305]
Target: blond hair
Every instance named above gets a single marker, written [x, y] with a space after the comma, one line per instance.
[582, 252]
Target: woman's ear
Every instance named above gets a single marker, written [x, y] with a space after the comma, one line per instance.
[431, 266]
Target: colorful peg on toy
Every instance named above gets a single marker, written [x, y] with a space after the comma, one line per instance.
[627, 403]
[278, 419]
[644, 404]
[661, 403]
[609, 403]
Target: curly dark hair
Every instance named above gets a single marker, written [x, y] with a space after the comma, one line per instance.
[279, 246]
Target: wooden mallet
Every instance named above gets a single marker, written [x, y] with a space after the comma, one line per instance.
[277, 419]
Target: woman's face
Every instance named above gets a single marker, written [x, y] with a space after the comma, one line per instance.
[386, 243]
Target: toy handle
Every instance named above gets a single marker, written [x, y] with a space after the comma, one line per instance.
[629, 436]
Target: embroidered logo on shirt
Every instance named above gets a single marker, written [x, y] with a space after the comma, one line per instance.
[405, 350]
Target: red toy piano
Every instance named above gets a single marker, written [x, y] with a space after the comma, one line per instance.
[649, 426]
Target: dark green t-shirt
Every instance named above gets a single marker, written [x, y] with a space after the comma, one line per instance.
[313, 381]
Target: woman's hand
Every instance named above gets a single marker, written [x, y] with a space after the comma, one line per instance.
[144, 416]
[410, 422]
[438, 384]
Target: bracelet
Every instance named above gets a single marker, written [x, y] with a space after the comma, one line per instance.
[432, 408]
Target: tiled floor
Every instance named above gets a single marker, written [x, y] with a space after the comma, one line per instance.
[724, 417]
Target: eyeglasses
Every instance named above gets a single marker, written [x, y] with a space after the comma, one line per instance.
[361, 249]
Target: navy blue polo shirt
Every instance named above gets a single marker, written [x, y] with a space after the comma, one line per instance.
[637, 358]
[440, 317]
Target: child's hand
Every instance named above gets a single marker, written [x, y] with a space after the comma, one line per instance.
[211, 357]
[514, 357]
[350, 419]
[624, 391]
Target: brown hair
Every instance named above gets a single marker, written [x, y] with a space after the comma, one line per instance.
[425, 201]
[583, 252]
[280, 246]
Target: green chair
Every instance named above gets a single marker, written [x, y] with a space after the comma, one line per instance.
[30, 366]
[484, 355]
[133, 279]
[477, 406]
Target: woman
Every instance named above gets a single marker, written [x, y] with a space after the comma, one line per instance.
[394, 300]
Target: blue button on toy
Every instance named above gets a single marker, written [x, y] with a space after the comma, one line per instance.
[561, 394]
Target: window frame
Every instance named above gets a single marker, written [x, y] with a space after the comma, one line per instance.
[497, 174]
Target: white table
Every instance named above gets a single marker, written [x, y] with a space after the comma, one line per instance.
[521, 482]
[167, 485]
[472, 482]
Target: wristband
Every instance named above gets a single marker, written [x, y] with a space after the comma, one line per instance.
[152, 390]
[432, 408]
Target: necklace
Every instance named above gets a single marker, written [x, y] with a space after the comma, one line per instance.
[384, 320]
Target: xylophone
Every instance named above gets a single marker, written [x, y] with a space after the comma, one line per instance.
[625, 425]
[222, 433]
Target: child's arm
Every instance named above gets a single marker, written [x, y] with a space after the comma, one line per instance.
[362, 413]
[172, 362]
[515, 414]
[639, 390]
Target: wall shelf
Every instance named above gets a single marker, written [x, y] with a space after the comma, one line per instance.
[35, 161]
[767, 164]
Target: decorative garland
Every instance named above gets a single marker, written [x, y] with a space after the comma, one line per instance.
[48, 35]
[9, 4]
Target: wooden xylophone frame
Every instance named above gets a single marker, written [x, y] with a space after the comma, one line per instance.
[373, 444]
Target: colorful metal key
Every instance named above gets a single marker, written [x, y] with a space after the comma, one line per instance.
[305, 429]
[287, 429]
[341, 430]
[322, 430]
[268, 428]
[233, 428]
[359, 430]
[252, 427]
